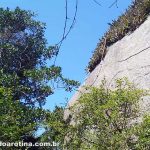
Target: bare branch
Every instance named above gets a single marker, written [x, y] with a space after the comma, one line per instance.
[114, 3]
[65, 32]
[95, 1]
[66, 18]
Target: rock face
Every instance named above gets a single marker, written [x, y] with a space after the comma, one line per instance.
[129, 57]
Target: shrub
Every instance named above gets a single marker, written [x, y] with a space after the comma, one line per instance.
[102, 119]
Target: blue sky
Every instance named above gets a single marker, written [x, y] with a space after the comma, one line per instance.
[91, 23]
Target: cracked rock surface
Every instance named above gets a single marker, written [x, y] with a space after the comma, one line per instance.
[129, 57]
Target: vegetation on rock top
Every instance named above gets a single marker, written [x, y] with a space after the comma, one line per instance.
[134, 16]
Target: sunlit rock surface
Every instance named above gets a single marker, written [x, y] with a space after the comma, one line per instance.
[129, 57]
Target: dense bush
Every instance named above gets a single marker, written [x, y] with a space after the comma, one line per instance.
[104, 119]
[17, 122]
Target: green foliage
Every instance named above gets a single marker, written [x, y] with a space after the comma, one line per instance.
[16, 120]
[103, 120]
[144, 134]
[23, 58]
[135, 15]
[55, 126]
[103, 117]
[26, 79]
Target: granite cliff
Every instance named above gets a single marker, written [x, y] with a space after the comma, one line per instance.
[128, 57]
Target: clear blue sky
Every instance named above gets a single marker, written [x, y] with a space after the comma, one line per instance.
[91, 23]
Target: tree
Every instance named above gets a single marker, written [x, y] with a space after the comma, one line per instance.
[55, 127]
[17, 122]
[25, 78]
[23, 56]
[103, 120]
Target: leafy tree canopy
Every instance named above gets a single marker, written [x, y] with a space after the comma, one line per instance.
[103, 120]
[17, 122]
[23, 58]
